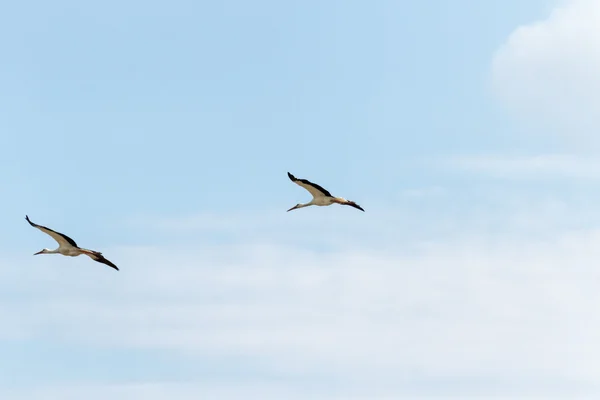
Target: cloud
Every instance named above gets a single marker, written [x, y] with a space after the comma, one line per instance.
[216, 391]
[458, 314]
[423, 192]
[550, 167]
[547, 72]
[169, 390]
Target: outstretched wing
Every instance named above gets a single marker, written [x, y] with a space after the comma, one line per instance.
[97, 256]
[313, 188]
[63, 240]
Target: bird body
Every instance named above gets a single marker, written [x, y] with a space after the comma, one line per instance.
[68, 247]
[321, 196]
[69, 251]
[322, 201]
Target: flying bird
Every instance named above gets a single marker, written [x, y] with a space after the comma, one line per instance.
[68, 247]
[321, 197]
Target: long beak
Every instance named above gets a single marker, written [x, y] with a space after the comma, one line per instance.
[39, 252]
[293, 208]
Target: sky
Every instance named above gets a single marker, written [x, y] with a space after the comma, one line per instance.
[161, 134]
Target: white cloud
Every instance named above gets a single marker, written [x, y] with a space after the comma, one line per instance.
[458, 315]
[164, 391]
[544, 166]
[548, 72]
[216, 391]
[423, 192]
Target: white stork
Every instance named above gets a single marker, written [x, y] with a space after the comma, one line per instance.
[321, 197]
[68, 247]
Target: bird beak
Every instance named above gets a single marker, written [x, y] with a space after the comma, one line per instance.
[293, 208]
[39, 252]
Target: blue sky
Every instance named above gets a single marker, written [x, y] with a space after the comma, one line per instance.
[161, 133]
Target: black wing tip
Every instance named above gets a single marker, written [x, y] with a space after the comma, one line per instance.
[28, 220]
[106, 262]
[292, 177]
[353, 204]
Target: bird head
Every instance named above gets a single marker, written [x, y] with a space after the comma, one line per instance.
[43, 251]
[293, 208]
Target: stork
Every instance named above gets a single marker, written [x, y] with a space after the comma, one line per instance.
[321, 197]
[68, 247]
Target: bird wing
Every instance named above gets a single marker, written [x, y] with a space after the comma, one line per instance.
[313, 188]
[63, 240]
[97, 256]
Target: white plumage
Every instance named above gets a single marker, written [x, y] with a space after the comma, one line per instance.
[321, 197]
[68, 247]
